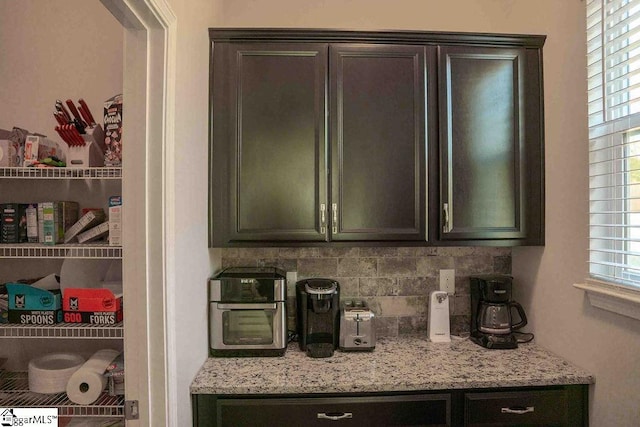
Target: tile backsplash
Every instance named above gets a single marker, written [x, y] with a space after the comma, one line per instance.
[395, 281]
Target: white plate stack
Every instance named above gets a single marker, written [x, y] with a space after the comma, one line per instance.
[50, 373]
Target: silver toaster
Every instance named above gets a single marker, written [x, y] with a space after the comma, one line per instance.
[357, 326]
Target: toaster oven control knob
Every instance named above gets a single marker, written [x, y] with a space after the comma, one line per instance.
[357, 341]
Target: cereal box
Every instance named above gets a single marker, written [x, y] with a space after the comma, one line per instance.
[113, 131]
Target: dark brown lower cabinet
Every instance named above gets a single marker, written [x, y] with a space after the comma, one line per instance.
[563, 406]
[559, 407]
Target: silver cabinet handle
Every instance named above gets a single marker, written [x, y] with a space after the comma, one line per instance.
[334, 416]
[445, 215]
[519, 410]
[334, 223]
[323, 218]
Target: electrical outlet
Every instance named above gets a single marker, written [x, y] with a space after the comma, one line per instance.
[292, 278]
[448, 281]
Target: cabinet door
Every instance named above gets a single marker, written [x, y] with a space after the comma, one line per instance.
[268, 157]
[378, 181]
[485, 145]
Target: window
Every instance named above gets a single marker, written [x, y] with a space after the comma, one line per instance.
[613, 60]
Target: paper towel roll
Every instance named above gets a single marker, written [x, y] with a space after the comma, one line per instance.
[86, 384]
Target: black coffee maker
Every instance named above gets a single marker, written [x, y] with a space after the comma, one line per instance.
[492, 321]
[318, 310]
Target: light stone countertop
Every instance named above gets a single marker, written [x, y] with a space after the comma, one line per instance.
[396, 364]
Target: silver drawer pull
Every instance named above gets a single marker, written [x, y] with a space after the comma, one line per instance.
[519, 410]
[335, 416]
[246, 306]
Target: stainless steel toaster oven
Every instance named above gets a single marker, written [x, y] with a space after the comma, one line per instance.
[247, 312]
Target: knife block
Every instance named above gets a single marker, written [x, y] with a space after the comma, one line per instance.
[91, 154]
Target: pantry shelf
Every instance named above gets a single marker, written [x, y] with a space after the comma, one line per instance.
[62, 173]
[62, 330]
[14, 393]
[70, 250]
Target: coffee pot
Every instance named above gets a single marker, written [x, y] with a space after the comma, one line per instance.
[494, 315]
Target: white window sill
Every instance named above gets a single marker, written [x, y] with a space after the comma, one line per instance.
[618, 299]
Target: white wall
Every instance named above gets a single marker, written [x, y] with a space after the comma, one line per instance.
[56, 50]
[193, 263]
[606, 344]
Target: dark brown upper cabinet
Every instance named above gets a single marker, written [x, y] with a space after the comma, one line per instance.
[490, 146]
[346, 137]
[377, 115]
[269, 152]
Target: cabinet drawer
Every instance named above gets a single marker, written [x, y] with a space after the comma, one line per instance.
[419, 410]
[526, 408]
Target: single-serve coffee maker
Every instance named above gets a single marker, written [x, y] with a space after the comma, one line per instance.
[318, 310]
[492, 312]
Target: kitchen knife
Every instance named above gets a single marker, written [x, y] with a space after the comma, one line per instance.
[60, 107]
[77, 136]
[59, 118]
[85, 107]
[75, 113]
[84, 115]
[68, 136]
[62, 135]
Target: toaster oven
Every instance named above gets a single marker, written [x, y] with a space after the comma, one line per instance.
[247, 312]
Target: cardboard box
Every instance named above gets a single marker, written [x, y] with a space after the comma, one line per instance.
[115, 221]
[4, 308]
[35, 317]
[9, 153]
[113, 131]
[86, 221]
[38, 148]
[88, 305]
[93, 317]
[65, 214]
[95, 233]
[27, 297]
[13, 223]
[31, 213]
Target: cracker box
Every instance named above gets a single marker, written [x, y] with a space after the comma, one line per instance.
[113, 131]
[87, 305]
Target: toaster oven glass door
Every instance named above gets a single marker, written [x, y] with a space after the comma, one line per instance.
[247, 326]
[241, 327]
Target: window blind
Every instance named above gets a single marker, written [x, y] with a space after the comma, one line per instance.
[613, 70]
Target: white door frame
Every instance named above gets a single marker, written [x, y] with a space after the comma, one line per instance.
[148, 169]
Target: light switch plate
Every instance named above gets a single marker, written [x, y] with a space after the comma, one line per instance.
[448, 281]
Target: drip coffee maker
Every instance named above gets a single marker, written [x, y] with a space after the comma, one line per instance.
[492, 312]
